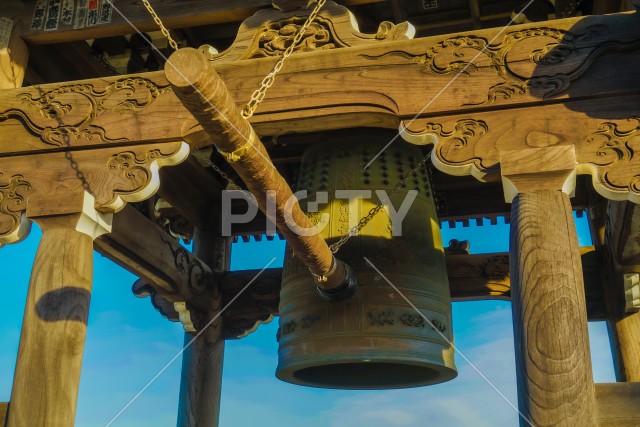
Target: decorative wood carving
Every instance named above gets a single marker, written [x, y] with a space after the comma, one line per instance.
[13, 195]
[143, 288]
[112, 175]
[540, 61]
[347, 87]
[471, 277]
[140, 246]
[255, 306]
[72, 114]
[605, 149]
[198, 276]
[172, 221]
[612, 157]
[269, 32]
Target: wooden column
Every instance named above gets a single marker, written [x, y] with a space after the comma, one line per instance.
[14, 53]
[553, 363]
[201, 381]
[629, 340]
[623, 256]
[47, 375]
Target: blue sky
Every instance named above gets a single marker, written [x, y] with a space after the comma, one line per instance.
[128, 342]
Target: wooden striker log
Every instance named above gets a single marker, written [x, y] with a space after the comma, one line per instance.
[204, 94]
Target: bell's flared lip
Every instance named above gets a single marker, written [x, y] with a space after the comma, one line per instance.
[367, 373]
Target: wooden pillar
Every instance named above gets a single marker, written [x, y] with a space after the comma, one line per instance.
[623, 257]
[629, 341]
[47, 375]
[553, 362]
[14, 53]
[201, 381]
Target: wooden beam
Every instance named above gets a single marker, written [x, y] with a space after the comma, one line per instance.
[471, 278]
[143, 248]
[388, 94]
[618, 404]
[174, 14]
[628, 329]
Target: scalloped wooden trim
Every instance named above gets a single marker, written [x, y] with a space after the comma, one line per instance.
[114, 176]
[260, 37]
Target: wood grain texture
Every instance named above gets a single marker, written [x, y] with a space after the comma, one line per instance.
[374, 85]
[473, 144]
[201, 380]
[618, 404]
[140, 246]
[623, 256]
[628, 330]
[4, 408]
[553, 363]
[47, 375]
[548, 168]
[200, 89]
[113, 176]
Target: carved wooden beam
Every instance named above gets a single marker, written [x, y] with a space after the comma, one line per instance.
[471, 277]
[143, 248]
[603, 137]
[113, 175]
[560, 72]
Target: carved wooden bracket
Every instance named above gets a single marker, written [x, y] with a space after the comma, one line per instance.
[269, 32]
[471, 277]
[376, 81]
[112, 176]
[606, 149]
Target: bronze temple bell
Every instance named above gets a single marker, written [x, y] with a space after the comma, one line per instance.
[375, 340]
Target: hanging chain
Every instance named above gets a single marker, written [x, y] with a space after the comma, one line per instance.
[335, 247]
[571, 8]
[99, 57]
[159, 23]
[258, 95]
[220, 172]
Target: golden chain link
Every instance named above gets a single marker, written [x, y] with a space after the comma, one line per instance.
[158, 22]
[335, 247]
[220, 172]
[258, 95]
